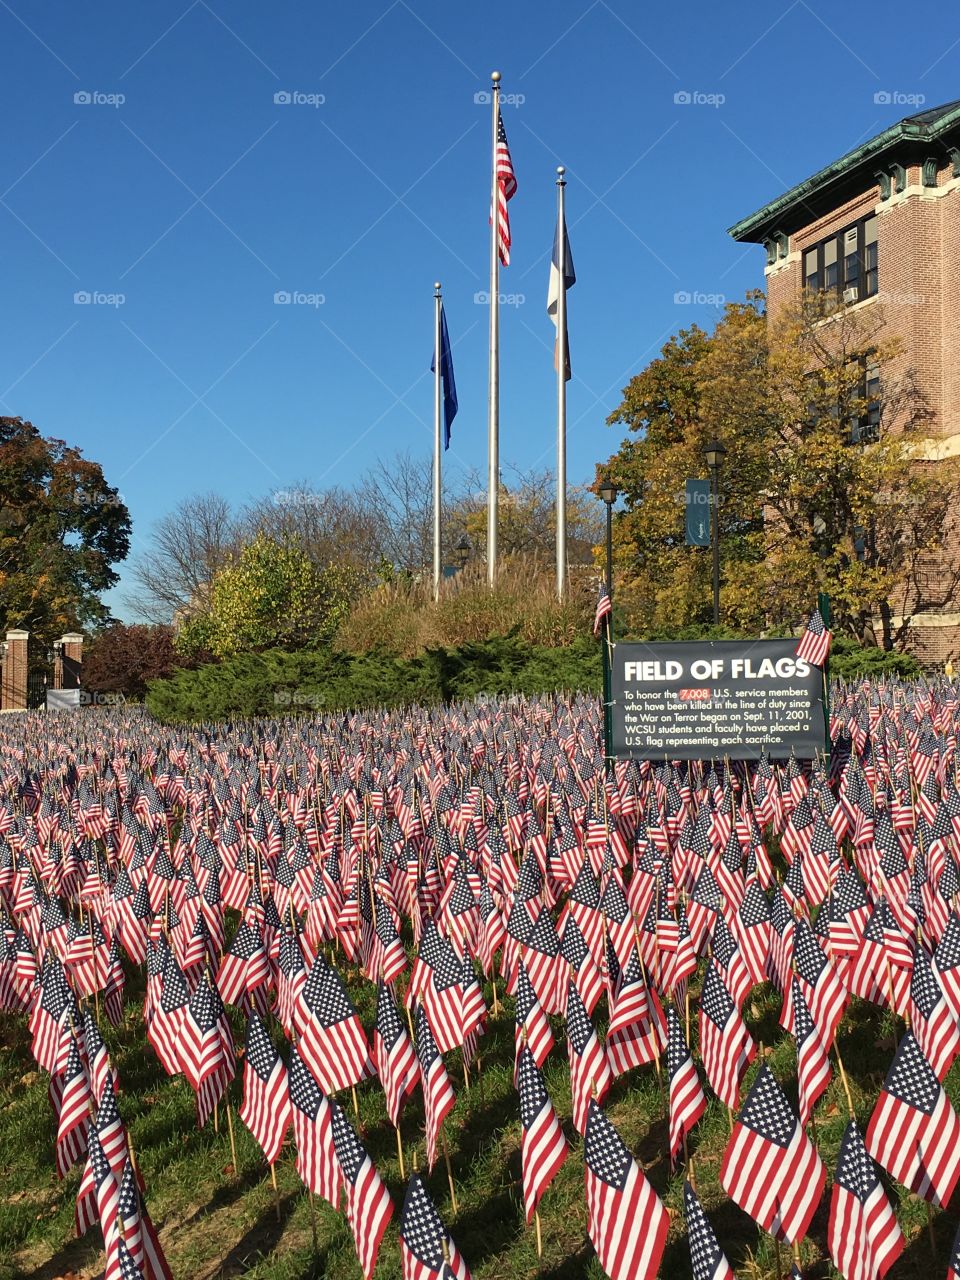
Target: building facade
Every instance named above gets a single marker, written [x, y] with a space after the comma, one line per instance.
[881, 226]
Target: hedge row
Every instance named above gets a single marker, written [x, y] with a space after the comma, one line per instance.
[282, 683]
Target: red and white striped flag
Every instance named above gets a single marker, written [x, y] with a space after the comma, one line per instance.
[590, 1074]
[814, 644]
[74, 1114]
[438, 1096]
[770, 1167]
[266, 1109]
[813, 1065]
[706, 1257]
[726, 1046]
[914, 1132]
[333, 1043]
[544, 1147]
[506, 190]
[625, 1218]
[205, 1047]
[368, 1203]
[393, 1054]
[863, 1235]
[313, 1133]
[687, 1101]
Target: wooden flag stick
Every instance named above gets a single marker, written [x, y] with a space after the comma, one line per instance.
[313, 1228]
[536, 1219]
[276, 1189]
[446, 1159]
[216, 1117]
[356, 1105]
[233, 1144]
[776, 1245]
[400, 1151]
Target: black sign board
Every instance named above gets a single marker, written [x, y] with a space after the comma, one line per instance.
[703, 700]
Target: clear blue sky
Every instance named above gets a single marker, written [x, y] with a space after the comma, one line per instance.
[199, 197]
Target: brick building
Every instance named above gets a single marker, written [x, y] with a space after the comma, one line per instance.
[881, 225]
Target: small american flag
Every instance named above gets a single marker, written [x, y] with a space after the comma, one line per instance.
[74, 1112]
[863, 1235]
[726, 1046]
[438, 1096]
[590, 1074]
[426, 1249]
[914, 1131]
[625, 1218]
[266, 1109]
[814, 644]
[544, 1147]
[506, 190]
[707, 1259]
[813, 1065]
[394, 1054]
[604, 608]
[369, 1207]
[333, 1043]
[687, 1101]
[770, 1167]
[313, 1133]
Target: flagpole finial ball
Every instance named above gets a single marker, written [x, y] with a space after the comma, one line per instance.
[436, 285]
[560, 170]
[495, 77]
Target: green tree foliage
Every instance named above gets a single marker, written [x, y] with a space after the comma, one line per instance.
[324, 680]
[62, 528]
[269, 595]
[815, 493]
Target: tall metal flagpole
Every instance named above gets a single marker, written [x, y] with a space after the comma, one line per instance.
[561, 393]
[493, 397]
[437, 440]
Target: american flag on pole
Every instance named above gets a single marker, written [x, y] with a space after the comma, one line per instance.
[863, 1235]
[813, 1064]
[333, 1043]
[368, 1203]
[707, 1259]
[687, 1101]
[726, 1046]
[438, 1096]
[604, 608]
[205, 1047]
[427, 1250]
[266, 1109]
[814, 644]
[506, 190]
[914, 1132]
[544, 1147]
[393, 1054]
[313, 1133]
[590, 1073]
[770, 1167]
[626, 1220]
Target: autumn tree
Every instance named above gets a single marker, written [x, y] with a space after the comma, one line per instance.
[62, 529]
[270, 594]
[824, 486]
[186, 547]
[121, 659]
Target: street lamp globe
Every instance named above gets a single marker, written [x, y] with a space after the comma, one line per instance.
[608, 492]
[714, 454]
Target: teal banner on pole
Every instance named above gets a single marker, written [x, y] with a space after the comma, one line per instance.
[696, 501]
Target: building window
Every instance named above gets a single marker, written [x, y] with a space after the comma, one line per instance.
[865, 427]
[845, 264]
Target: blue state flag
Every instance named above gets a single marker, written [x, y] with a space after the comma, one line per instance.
[562, 276]
[450, 404]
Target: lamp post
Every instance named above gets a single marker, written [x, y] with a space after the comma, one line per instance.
[463, 548]
[608, 492]
[715, 454]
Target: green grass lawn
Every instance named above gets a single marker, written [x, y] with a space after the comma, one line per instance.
[215, 1220]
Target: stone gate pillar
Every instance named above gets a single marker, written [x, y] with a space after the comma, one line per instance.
[13, 690]
[71, 660]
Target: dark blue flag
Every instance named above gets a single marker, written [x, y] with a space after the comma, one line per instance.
[450, 404]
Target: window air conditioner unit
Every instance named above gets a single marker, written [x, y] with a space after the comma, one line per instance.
[851, 294]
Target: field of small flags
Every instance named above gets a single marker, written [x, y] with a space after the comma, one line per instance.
[429, 994]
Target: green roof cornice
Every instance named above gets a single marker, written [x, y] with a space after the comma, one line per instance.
[812, 197]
